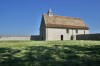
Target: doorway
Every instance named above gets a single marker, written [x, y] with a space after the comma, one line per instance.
[71, 37]
[61, 37]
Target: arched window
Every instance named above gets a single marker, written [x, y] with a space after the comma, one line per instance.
[67, 30]
[76, 31]
[84, 32]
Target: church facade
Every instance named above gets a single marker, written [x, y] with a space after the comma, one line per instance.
[55, 27]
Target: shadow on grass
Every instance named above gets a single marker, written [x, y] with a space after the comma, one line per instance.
[57, 55]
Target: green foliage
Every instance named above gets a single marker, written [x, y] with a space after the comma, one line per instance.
[50, 53]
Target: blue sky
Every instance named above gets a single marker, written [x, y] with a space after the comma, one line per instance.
[23, 17]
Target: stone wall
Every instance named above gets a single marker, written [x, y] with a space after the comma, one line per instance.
[88, 37]
[35, 37]
[14, 38]
[55, 33]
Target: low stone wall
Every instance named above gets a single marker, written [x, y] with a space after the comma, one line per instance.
[88, 37]
[35, 37]
[14, 38]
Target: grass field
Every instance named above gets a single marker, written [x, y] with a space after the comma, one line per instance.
[49, 53]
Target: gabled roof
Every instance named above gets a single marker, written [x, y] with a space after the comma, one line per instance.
[63, 22]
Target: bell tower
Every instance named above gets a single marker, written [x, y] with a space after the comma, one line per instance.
[50, 12]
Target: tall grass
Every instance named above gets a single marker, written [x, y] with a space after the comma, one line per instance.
[50, 53]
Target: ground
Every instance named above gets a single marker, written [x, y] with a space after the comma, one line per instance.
[50, 53]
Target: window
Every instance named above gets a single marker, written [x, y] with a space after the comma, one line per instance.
[76, 31]
[84, 32]
[67, 30]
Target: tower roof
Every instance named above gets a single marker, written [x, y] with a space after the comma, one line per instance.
[50, 11]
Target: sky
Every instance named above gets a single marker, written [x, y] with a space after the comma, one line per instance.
[23, 17]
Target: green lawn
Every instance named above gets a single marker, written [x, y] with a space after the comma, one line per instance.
[49, 53]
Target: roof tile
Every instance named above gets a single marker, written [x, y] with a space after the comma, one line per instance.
[64, 22]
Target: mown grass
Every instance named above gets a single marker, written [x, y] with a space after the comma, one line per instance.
[49, 53]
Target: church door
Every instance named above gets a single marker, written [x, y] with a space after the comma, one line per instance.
[61, 37]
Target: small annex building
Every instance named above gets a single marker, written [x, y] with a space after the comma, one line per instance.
[55, 27]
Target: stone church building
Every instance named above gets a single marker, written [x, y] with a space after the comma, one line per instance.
[54, 27]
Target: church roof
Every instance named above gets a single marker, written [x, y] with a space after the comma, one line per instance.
[64, 22]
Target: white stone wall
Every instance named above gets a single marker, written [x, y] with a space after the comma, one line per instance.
[55, 33]
[14, 38]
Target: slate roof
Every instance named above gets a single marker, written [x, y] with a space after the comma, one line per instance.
[64, 22]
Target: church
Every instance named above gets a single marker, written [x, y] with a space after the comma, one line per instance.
[54, 27]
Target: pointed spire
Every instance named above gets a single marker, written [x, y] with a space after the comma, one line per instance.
[50, 12]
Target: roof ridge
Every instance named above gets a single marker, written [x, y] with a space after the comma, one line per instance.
[65, 17]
